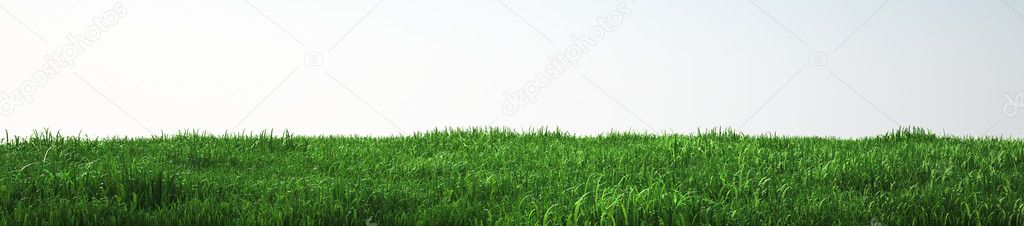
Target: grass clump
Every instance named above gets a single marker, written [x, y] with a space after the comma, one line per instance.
[499, 176]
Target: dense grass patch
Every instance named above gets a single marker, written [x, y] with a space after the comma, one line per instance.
[496, 176]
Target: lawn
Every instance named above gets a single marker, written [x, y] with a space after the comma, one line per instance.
[499, 176]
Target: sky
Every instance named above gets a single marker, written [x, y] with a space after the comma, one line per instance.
[389, 67]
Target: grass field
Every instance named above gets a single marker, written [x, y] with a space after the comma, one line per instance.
[496, 176]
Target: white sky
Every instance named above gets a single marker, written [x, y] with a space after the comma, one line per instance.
[671, 66]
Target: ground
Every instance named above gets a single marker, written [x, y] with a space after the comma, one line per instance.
[498, 176]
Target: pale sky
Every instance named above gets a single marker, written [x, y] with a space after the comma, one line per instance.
[865, 67]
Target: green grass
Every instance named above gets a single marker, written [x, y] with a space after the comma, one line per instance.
[497, 176]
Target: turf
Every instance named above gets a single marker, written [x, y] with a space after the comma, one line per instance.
[498, 176]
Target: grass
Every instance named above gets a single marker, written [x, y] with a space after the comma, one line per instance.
[498, 176]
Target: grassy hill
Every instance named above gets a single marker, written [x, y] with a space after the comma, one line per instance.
[497, 176]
